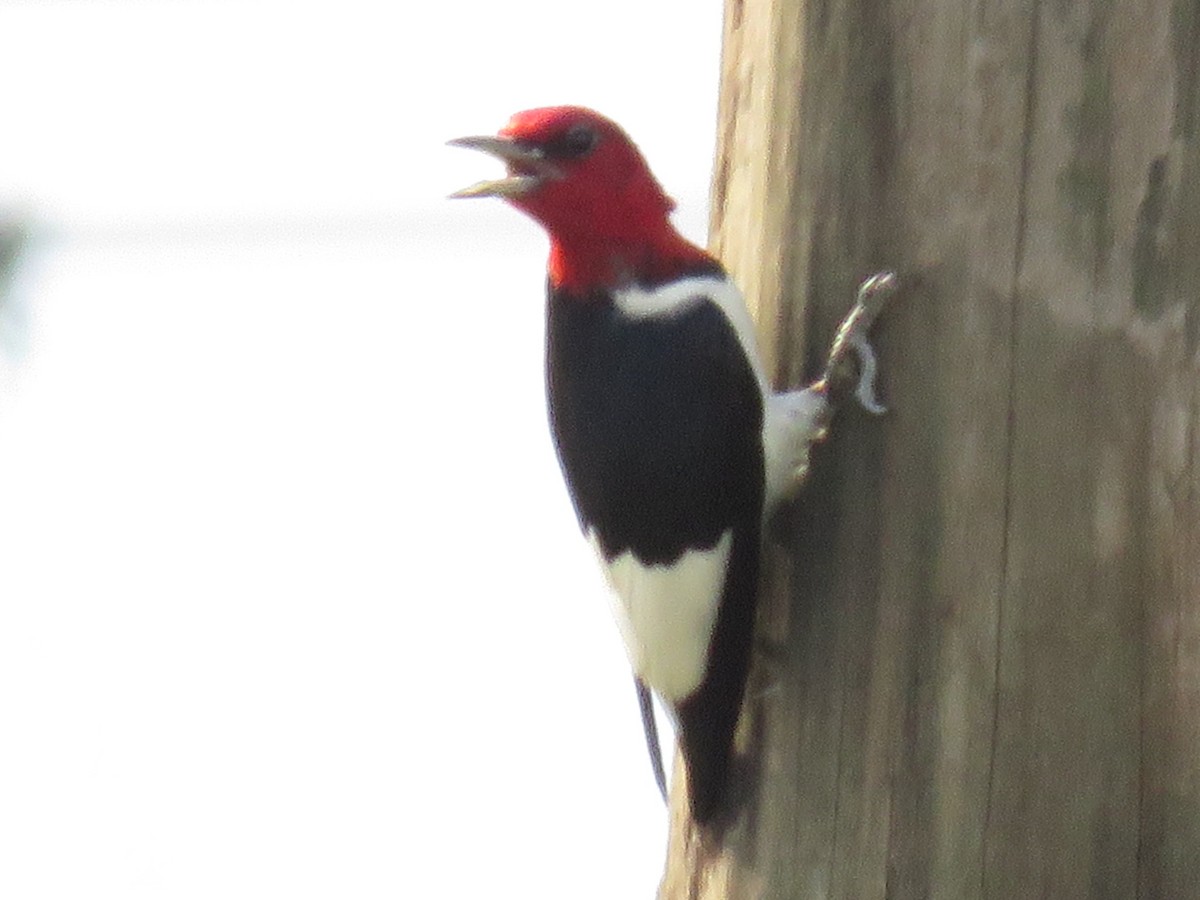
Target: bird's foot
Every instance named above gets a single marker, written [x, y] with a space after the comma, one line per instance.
[796, 420]
[851, 339]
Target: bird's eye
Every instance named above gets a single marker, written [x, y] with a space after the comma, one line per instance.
[577, 142]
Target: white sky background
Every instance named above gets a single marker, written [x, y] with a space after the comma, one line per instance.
[292, 602]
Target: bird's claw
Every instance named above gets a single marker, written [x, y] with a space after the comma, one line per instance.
[852, 336]
[865, 390]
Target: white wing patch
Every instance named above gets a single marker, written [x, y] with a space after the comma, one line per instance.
[666, 613]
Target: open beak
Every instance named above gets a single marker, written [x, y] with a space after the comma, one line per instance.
[527, 168]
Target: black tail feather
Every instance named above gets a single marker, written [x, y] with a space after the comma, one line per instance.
[650, 726]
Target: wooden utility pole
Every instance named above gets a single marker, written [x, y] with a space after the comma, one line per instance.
[978, 672]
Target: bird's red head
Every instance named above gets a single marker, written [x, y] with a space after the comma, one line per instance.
[586, 182]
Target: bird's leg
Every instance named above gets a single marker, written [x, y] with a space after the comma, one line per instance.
[852, 336]
[798, 419]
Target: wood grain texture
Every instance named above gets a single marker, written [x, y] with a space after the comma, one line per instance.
[979, 661]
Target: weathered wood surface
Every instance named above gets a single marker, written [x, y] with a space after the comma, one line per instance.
[980, 663]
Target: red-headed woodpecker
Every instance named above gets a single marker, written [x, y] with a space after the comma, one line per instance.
[671, 441]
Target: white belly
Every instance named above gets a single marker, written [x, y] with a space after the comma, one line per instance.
[666, 613]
